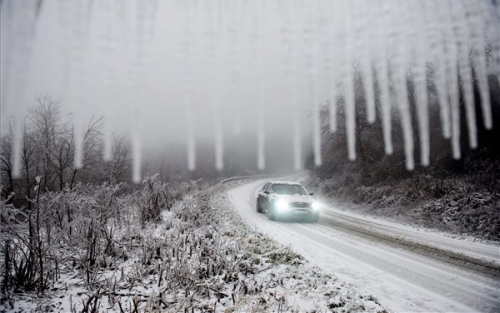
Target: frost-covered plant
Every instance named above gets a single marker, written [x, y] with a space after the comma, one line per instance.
[26, 263]
[151, 199]
[61, 230]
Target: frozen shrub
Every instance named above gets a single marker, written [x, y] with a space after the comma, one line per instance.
[60, 230]
[152, 198]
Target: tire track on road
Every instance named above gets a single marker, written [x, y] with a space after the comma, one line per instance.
[349, 225]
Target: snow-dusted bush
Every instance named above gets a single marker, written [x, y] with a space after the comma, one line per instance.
[151, 199]
[85, 229]
[456, 204]
[62, 229]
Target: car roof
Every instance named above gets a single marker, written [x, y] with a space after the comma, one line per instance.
[282, 182]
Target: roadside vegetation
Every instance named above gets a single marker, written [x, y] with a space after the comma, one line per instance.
[160, 248]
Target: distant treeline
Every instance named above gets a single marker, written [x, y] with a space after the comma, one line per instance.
[48, 151]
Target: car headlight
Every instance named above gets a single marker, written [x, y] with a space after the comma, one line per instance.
[315, 206]
[281, 205]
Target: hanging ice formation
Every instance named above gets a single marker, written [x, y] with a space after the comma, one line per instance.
[18, 23]
[311, 41]
[215, 78]
[257, 23]
[74, 18]
[235, 17]
[288, 32]
[108, 56]
[351, 50]
[186, 55]
[144, 32]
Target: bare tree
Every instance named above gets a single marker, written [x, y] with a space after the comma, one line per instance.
[118, 169]
[48, 151]
[45, 121]
[30, 162]
[5, 160]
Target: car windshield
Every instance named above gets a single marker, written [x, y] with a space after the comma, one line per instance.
[286, 189]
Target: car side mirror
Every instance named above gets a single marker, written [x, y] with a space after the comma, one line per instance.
[266, 192]
[311, 193]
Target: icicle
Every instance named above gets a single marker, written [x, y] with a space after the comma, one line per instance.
[79, 141]
[108, 51]
[382, 69]
[219, 143]
[17, 146]
[108, 138]
[186, 55]
[479, 61]
[458, 16]
[137, 151]
[452, 77]
[348, 83]
[363, 42]
[316, 130]
[334, 59]
[491, 13]
[420, 57]
[137, 144]
[257, 60]
[401, 93]
[20, 20]
[191, 143]
[297, 141]
[261, 160]
[289, 32]
[142, 31]
[332, 64]
[237, 87]
[455, 116]
[80, 13]
[438, 48]
[215, 77]
[332, 105]
[312, 43]
[350, 115]
[235, 63]
[137, 77]
[261, 139]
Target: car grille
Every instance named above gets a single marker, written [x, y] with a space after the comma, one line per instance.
[300, 204]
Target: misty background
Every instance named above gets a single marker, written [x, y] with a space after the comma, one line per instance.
[101, 77]
[255, 84]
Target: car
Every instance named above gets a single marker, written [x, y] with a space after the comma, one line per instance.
[282, 199]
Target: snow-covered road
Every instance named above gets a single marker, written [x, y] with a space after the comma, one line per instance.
[401, 266]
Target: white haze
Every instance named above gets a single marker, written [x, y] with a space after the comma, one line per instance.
[190, 71]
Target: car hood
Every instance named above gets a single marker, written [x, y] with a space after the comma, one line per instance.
[294, 198]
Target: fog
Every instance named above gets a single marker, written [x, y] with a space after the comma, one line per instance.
[250, 75]
[101, 82]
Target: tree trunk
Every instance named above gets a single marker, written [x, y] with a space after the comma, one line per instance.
[73, 179]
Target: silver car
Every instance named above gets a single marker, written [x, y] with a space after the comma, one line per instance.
[280, 199]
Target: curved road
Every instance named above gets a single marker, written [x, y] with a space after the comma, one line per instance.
[407, 269]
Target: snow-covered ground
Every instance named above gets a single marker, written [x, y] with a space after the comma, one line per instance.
[404, 279]
[200, 257]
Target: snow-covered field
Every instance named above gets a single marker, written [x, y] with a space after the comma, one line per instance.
[201, 257]
[408, 269]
